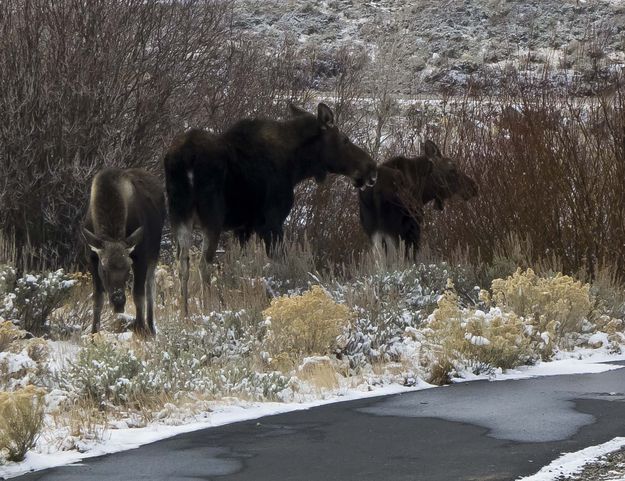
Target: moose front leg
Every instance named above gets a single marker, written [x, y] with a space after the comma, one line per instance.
[272, 234]
[98, 293]
[150, 298]
[138, 296]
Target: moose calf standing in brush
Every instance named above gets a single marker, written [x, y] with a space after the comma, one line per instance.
[393, 208]
[123, 229]
[243, 179]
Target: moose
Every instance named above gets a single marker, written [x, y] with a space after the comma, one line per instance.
[123, 228]
[392, 210]
[243, 179]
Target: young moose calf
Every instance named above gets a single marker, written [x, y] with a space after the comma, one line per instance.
[392, 210]
[123, 228]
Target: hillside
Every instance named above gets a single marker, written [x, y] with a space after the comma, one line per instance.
[444, 42]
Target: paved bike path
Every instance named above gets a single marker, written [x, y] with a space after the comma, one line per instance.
[495, 431]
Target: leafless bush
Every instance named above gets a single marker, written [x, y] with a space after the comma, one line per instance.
[549, 164]
[84, 85]
[550, 168]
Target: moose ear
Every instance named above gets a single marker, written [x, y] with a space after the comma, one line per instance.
[325, 116]
[297, 111]
[133, 239]
[431, 150]
[95, 243]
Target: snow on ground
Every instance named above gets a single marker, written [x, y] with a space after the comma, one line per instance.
[572, 463]
[115, 440]
[581, 361]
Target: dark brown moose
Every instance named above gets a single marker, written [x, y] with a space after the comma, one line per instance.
[123, 229]
[243, 179]
[392, 210]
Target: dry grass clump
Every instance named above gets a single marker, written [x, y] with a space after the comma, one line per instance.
[22, 361]
[557, 305]
[9, 333]
[21, 420]
[82, 421]
[320, 372]
[615, 330]
[307, 324]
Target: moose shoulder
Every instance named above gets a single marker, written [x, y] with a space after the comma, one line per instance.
[392, 210]
[243, 179]
[123, 228]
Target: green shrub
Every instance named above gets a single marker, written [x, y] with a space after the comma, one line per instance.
[33, 299]
[109, 372]
[7, 279]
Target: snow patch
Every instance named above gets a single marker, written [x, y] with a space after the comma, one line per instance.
[572, 463]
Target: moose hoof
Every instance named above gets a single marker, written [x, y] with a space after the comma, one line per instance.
[141, 331]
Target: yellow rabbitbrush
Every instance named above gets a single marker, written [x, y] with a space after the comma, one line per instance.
[557, 305]
[21, 420]
[468, 338]
[307, 324]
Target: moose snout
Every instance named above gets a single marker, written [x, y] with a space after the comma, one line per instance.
[372, 179]
[366, 178]
[118, 300]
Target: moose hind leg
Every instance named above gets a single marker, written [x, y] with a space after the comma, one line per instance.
[183, 234]
[210, 212]
[210, 242]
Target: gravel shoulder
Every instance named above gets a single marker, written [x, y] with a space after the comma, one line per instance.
[610, 467]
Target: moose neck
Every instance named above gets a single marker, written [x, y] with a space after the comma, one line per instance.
[110, 195]
[435, 187]
[304, 156]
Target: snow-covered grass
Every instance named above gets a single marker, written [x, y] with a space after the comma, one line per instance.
[572, 463]
[271, 337]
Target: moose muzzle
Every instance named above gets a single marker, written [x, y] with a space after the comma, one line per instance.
[118, 300]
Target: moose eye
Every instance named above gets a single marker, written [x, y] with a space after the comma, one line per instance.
[346, 140]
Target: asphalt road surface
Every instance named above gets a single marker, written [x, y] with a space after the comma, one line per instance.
[486, 431]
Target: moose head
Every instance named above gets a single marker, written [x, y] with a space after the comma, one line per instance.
[446, 180]
[114, 263]
[336, 154]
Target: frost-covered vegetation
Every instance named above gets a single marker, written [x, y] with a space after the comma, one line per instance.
[527, 98]
[255, 337]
